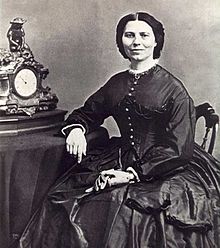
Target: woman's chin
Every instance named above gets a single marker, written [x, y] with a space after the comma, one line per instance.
[138, 58]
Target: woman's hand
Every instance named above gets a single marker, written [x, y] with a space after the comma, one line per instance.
[76, 143]
[117, 176]
[110, 178]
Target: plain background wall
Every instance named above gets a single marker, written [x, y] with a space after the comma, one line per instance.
[75, 39]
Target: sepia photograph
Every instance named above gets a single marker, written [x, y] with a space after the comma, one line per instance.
[109, 116]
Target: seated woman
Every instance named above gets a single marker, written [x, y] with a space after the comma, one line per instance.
[154, 188]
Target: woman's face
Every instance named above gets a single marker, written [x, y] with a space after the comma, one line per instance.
[138, 40]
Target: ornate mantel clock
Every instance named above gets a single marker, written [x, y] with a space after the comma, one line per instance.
[24, 102]
[21, 76]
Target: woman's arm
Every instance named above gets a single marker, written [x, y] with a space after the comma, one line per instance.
[83, 120]
[91, 115]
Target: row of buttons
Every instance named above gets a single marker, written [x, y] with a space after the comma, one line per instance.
[131, 137]
[131, 94]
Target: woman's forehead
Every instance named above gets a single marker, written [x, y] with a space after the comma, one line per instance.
[137, 25]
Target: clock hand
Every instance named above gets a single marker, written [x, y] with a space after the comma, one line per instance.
[23, 80]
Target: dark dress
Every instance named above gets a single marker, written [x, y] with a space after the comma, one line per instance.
[175, 204]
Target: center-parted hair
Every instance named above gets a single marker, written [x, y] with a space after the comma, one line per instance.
[156, 26]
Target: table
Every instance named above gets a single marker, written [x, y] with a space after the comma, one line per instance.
[12, 125]
[31, 156]
[29, 164]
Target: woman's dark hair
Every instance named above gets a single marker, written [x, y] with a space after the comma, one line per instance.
[156, 26]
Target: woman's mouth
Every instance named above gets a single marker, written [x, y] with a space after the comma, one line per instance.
[136, 50]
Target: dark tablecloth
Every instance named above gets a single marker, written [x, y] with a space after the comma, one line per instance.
[29, 164]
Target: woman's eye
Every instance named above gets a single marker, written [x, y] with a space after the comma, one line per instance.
[145, 35]
[129, 35]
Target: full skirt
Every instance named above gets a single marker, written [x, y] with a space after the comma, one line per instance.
[179, 210]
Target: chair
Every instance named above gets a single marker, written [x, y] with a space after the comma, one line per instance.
[211, 123]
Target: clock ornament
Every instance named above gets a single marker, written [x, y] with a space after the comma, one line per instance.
[21, 76]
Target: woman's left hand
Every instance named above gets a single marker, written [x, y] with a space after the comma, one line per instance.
[110, 178]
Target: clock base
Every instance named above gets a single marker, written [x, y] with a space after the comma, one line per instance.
[39, 122]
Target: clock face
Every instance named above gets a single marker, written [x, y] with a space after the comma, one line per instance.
[25, 83]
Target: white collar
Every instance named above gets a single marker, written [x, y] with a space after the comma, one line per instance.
[148, 67]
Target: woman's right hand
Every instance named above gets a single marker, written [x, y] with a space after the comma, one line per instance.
[76, 143]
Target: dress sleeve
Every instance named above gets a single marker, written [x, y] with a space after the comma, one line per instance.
[91, 115]
[175, 149]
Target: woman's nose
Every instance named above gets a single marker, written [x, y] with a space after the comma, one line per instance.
[136, 41]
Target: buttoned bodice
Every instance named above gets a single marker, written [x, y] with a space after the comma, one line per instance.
[141, 115]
